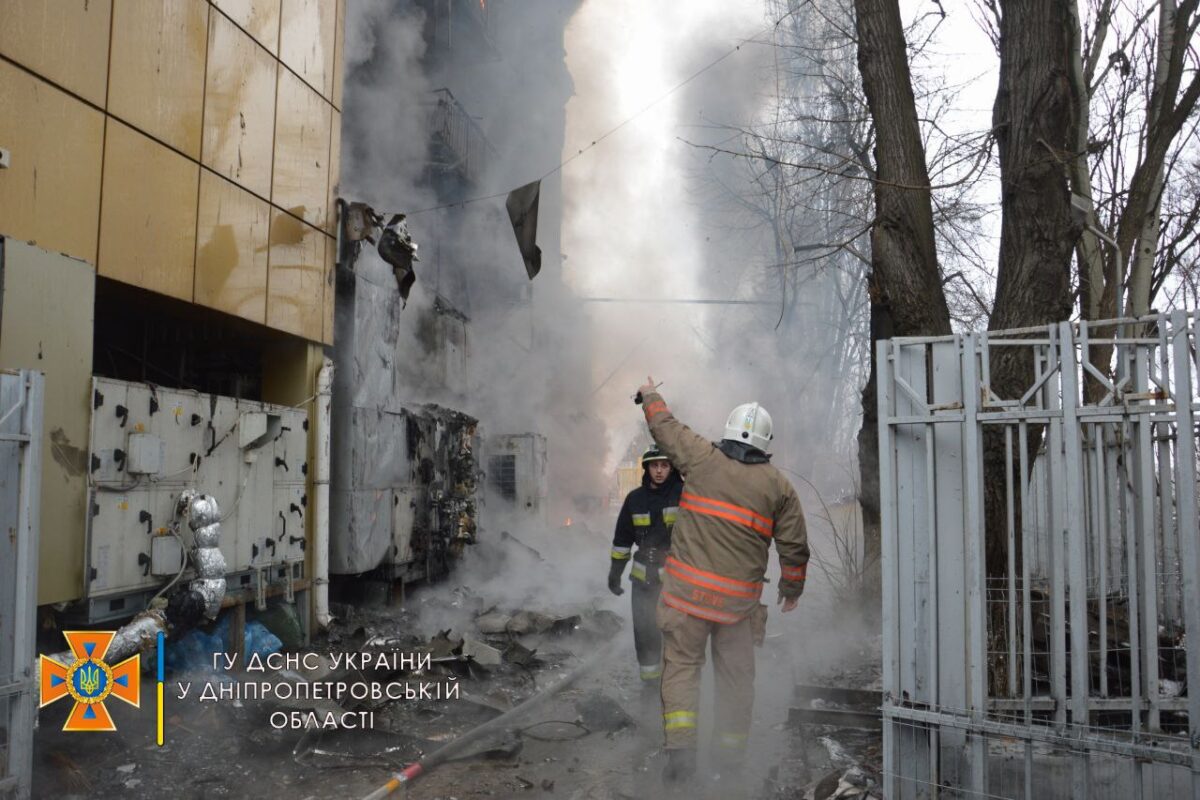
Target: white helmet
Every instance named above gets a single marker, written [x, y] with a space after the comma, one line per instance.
[750, 424]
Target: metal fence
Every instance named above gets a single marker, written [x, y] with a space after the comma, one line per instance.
[20, 484]
[1040, 563]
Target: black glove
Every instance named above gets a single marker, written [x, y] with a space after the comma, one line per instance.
[614, 577]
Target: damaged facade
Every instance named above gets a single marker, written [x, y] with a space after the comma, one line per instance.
[167, 262]
[424, 323]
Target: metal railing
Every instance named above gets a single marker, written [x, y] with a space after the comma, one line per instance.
[1040, 562]
[458, 144]
[20, 487]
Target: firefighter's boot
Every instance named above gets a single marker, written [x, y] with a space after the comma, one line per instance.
[681, 765]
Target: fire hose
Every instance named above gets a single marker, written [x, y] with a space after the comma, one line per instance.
[456, 746]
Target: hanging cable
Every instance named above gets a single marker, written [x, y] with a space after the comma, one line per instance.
[610, 131]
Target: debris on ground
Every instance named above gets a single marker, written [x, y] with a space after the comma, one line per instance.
[481, 653]
[598, 712]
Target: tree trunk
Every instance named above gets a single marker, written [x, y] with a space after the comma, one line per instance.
[1035, 117]
[904, 283]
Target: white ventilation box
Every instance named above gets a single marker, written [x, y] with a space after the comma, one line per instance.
[148, 444]
[145, 454]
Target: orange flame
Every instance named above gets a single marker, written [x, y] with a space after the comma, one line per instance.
[568, 522]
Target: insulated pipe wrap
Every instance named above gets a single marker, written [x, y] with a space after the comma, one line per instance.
[204, 518]
[207, 536]
[139, 636]
[202, 511]
[209, 562]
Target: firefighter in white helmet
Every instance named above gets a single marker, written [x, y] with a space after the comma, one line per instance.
[734, 505]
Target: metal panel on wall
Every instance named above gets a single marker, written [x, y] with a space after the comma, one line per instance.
[250, 456]
[38, 286]
[50, 193]
[21, 394]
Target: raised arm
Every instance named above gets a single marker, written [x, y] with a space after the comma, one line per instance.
[683, 446]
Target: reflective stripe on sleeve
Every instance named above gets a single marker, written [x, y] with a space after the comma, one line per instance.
[670, 513]
[728, 511]
[655, 408]
[675, 720]
[795, 573]
[641, 520]
[621, 553]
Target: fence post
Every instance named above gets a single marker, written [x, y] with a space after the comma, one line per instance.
[976, 567]
[1185, 455]
[890, 555]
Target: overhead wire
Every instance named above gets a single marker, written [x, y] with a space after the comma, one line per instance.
[725, 55]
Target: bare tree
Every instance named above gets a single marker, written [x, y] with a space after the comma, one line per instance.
[1134, 71]
[904, 284]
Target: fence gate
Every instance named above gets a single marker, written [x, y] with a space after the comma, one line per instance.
[20, 486]
[1040, 563]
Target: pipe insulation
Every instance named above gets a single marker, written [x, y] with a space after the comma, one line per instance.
[321, 487]
[456, 746]
[204, 518]
[203, 595]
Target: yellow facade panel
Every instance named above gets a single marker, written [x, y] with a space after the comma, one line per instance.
[51, 192]
[157, 69]
[47, 324]
[297, 276]
[329, 289]
[335, 168]
[302, 120]
[239, 107]
[306, 41]
[339, 54]
[259, 18]
[231, 249]
[66, 41]
[148, 214]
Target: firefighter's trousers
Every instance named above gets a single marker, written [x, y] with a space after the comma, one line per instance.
[647, 639]
[685, 639]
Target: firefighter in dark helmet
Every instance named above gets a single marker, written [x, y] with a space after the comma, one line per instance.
[645, 521]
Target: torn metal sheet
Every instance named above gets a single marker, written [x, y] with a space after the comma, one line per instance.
[397, 248]
[518, 654]
[482, 653]
[442, 646]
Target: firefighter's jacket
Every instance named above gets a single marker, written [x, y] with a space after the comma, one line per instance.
[645, 520]
[729, 513]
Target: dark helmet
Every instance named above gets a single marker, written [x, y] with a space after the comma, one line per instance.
[654, 454]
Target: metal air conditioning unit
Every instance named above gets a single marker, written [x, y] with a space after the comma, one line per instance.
[148, 444]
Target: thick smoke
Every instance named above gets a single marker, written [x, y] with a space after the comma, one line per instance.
[640, 216]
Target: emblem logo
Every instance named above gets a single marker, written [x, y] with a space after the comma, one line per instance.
[89, 680]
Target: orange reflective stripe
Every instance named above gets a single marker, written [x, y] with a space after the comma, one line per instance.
[710, 614]
[658, 406]
[713, 513]
[704, 583]
[672, 561]
[795, 573]
[732, 516]
[731, 507]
